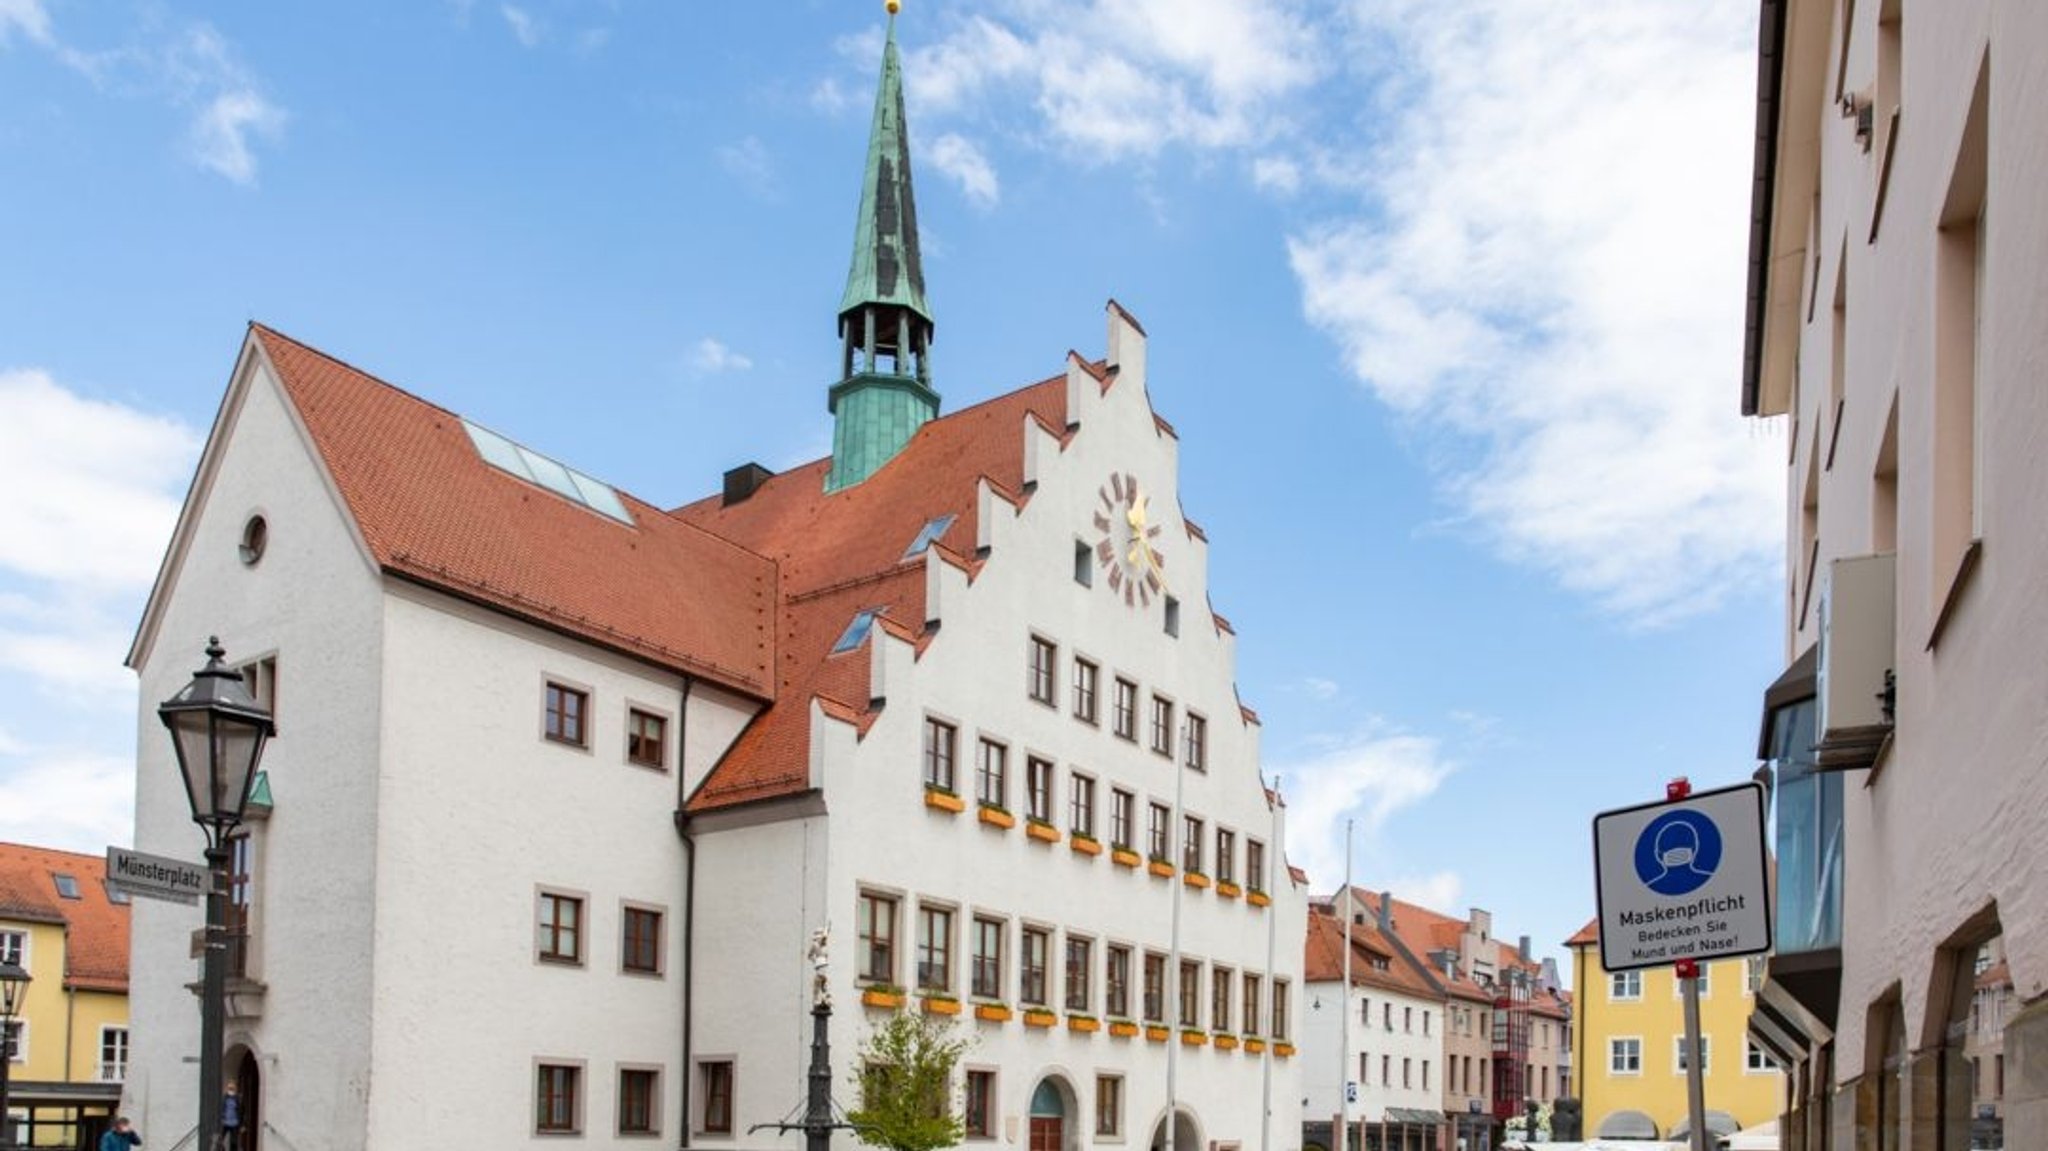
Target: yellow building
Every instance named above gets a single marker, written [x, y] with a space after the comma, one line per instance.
[1630, 1061]
[59, 922]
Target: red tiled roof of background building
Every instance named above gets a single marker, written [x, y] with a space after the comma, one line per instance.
[432, 510]
[841, 553]
[1587, 936]
[1323, 958]
[96, 935]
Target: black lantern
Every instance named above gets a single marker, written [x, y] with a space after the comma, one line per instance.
[218, 730]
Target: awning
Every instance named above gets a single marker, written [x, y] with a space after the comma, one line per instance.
[1719, 1122]
[1628, 1125]
[1414, 1116]
[34, 1093]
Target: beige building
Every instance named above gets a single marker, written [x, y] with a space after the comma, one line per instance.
[1896, 302]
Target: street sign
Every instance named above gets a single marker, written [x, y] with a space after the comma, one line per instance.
[1684, 879]
[154, 876]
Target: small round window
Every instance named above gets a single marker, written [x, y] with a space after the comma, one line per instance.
[255, 534]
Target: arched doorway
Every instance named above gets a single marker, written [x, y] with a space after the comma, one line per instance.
[1052, 1114]
[1187, 1134]
[246, 1074]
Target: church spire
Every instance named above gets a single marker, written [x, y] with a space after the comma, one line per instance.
[885, 328]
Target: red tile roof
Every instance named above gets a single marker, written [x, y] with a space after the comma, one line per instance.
[1588, 936]
[1323, 958]
[96, 951]
[431, 510]
[842, 552]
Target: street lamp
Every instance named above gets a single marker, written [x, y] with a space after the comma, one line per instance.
[13, 983]
[218, 730]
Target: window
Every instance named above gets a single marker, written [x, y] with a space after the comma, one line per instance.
[1155, 987]
[566, 708]
[934, 948]
[1958, 336]
[1625, 985]
[1425, 1074]
[715, 1078]
[979, 1118]
[1408, 1019]
[1043, 653]
[1031, 968]
[639, 1097]
[1122, 807]
[1280, 989]
[1222, 981]
[939, 739]
[1080, 968]
[1172, 616]
[1124, 713]
[1162, 725]
[260, 677]
[1251, 1004]
[1084, 569]
[1678, 1060]
[988, 958]
[1191, 843]
[992, 774]
[557, 1106]
[1364, 1069]
[1226, 856]
[67, 885]
[877, 927]
[1197, 750]
[1117, 1003]
[14, 948]
[1081, 808]
[1158, 847]
[1038, 781]
[1190, 993]
[640, 942]
[1706, 985]
[1407, 1072]
[241, 900]
[1255, 865]
[1425, 1027]
[646, 739]
[1387, 1016]
[1753, 970]
[113, 1054]
[1109, 1105]
[857, 630]
[1386, 1070]
[1625, 1056]
[1086, 676]
[1756, 1059]
[559, 936]
[927, 536]
[15, 1040]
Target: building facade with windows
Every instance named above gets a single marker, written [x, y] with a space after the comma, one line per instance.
[67, 1051]
[566, 782]
[1894, 332]
[1386, 1037]
[1631, 1056]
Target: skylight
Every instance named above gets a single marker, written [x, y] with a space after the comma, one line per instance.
[535, 468]
[67, 886]
[926, 536]
[856, 631]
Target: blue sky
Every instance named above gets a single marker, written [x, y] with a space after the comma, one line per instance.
[1444, 300]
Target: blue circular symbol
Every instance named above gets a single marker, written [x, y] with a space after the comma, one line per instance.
[1678, 852]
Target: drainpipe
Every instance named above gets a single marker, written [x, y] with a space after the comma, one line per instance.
[689, 900]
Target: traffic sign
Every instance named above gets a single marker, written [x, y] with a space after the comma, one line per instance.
[155, 876]
[1683, 879]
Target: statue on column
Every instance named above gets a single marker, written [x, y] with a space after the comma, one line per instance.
[821, 992]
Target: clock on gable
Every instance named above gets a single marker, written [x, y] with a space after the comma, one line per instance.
[1124, 536]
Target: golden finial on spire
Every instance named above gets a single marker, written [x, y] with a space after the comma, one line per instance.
[893, 6]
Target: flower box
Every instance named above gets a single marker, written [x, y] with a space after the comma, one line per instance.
[1227, 889]
[1036, 1017]
[1283, 1050]
[1156, 1034]
[1160, 868]
[1124, 857]
[1083, 1023]
[992, 1012]
[1258, 898]
[1122, 1028]
[1083, 845]
[1225, 1042]
[1253, 1045]
[996, 817]
[944, 801]
[889, 998]
[939, 1004]
[1193, 1038]
[1195, 879]
[1042, 832]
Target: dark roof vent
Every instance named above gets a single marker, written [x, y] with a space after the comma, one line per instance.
[744, 481]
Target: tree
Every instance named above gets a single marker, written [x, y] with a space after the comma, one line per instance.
[906, 1084]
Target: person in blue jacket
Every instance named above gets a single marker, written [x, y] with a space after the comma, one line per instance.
[120, 1137]
[231, 1116]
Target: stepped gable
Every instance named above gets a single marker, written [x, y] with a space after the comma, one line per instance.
[842, 552]
[96, 928]
[433, 511]
[1323, 959]
[1422, 931]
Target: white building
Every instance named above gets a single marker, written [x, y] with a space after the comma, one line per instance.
[1384, 1040]
[564, 782]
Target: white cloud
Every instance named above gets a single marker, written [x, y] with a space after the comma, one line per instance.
[68, 799]
[1368, 777]
[1319, 689]
[829, 97]
[1439, 890]
[712, 357]
[524, 28]
[960, 159]
[1276, 174]
[592, 40]
[749, 162]
[220, 136]
[27, 16]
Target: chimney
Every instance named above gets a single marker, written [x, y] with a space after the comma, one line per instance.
[1524, 950]
[1386, 911]
[743, 481]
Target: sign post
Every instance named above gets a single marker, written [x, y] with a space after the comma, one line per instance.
[1684, 882]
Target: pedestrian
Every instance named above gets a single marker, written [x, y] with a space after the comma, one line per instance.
[231, 1116]
[121, 1136]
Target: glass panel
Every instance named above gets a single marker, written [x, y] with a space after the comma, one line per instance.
[855, 632]
[496, 450]
[1807, 821]
[600, 497]
[549, 474]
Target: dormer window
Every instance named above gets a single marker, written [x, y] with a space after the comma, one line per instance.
[928, 535]
[857, 631]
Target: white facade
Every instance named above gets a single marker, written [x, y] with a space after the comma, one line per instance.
[1392, 1049]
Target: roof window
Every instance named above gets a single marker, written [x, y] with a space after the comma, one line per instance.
[857, 631]
[67, 885]
[929, 535]
[535, 468]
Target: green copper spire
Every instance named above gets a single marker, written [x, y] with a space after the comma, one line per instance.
[885, 328]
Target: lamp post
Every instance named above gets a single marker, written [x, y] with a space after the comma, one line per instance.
[13, 982]
[218, 731]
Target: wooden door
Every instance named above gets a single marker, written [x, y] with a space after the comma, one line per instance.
[1045, 1134]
